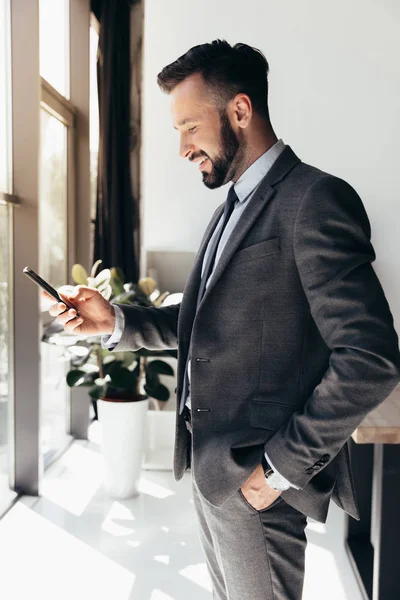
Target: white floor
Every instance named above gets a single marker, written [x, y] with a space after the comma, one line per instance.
[74, 543]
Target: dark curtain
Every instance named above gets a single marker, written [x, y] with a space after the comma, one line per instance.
[116, 209]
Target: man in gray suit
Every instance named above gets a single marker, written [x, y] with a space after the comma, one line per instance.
[285, 337]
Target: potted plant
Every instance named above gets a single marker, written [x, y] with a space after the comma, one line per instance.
[121, 384]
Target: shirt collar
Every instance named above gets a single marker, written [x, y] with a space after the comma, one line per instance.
[257, 171]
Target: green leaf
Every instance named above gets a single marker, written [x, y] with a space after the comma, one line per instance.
[123, 378]
[152, 379]
[117, 281]
[111, 367]
[129, 360]
[121, 356]
[136, 370]
[159, 393]
[160, 367]
[144, 352]
[76, 377]
[79, 274]
[104, 352]
[90, 368]
[118, 273]
[109, 359]
[96, 392]
[147, 285]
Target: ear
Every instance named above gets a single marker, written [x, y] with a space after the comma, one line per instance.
[241, 110]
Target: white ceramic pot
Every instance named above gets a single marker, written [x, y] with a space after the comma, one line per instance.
[122, 430]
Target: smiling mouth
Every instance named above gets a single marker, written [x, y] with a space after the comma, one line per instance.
[202, 162]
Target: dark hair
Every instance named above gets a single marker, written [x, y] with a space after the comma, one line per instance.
[227, 70]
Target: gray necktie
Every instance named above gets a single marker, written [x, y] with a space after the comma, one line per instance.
[208, 269]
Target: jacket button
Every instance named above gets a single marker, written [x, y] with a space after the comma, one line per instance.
[310, 470]
[325, 458]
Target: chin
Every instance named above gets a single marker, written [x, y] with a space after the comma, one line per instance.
[211, 185]
[211, 181]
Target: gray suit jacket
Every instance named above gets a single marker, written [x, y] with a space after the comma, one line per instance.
[292, 345]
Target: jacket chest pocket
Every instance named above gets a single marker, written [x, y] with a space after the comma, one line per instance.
[259, 250]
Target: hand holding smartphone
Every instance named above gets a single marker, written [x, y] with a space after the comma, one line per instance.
[46, 287]
[96, 315]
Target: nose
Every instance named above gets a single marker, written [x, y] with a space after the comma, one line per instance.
[185, 149]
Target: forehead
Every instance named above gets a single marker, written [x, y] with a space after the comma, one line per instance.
[191, 99]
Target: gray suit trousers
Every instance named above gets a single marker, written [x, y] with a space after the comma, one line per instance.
[250, 554]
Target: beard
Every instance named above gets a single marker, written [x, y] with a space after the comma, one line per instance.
[223, 164]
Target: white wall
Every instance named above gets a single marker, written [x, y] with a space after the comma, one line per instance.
[334, 97]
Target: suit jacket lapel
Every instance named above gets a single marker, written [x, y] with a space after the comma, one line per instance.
[188, 306]
[198, 263]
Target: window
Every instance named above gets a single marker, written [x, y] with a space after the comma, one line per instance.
[53, 192]
[56, 196]
[5, 494]
[34, 398]
[53, 199]
[5, 248]
[54, 43]
[5, 85]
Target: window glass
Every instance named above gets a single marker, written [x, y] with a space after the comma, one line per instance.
[5, 92]
[54, 43]
[6, 495]
[53, 263]
[53, 199]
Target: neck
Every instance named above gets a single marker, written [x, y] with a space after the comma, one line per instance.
[262, 139]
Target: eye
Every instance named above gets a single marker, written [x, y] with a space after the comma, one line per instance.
[192, 129]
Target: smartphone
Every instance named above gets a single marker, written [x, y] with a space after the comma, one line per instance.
[46, 286]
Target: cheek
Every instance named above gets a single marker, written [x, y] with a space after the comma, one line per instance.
[211, 147]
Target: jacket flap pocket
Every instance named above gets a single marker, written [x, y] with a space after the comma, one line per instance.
[270, 246]
[269, 415]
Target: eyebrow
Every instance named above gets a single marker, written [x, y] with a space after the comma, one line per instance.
[185, 122]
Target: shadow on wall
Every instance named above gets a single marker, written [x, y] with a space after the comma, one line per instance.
[169, 269]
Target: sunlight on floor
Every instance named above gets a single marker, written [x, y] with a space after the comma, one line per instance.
[40, 560]
[118, 512]
[323, 562]
[159, 595]
[75, 542]
[198, 574]
[152, 489]
[163, 559]
[315, 526]
[74, 487]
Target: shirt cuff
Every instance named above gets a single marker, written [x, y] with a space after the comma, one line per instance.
[108, 342]
[280, 475]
